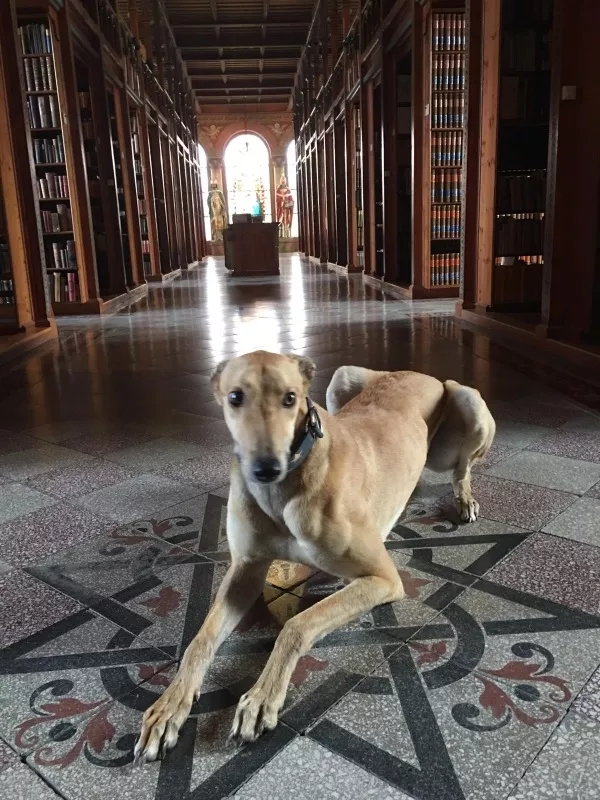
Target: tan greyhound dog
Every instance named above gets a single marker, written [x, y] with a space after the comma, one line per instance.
[323, 489]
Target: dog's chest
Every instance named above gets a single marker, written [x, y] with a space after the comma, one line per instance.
[290, 543]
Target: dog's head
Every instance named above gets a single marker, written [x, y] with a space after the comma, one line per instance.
[264, 400]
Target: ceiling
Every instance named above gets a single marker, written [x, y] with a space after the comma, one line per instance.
[241, 52]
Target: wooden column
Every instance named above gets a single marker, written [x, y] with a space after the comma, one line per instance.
[66, 83]
[328, 197]
[18, 179]
[159, 197]
[390, 194]
[490, 37]
[129, 185]
[351, 191]
[106, 174]
[321, 201]
[570, 250]
[474, 132]
[421, 186]
[149, 193]
[366, 109]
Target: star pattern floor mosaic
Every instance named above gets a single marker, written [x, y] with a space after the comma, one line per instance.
[481, 684]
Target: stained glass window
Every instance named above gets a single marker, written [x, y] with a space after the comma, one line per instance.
[247, 171]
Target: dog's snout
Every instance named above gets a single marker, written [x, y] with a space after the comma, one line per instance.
[266, 470]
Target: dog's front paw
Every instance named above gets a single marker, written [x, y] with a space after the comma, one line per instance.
[161, 723]
[257, 711]
[468, 509]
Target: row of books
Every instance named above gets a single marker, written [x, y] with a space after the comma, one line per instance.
[502, 261]
[445, 222]
[145, 247]
[144, 225]
[524, 192]
[525, 51]
[49, 151]
[142, 208]
[52, 186]
[35, 39]
[39, 74]
[449, 32]
[7, 292]
[524, 98]
[520, 233]
[445, 269]
[63, 254]
[447, 111]
[56, 221]
[446, 186]
[448, 72]
[64, 288]
[43, 111]
[446, 149]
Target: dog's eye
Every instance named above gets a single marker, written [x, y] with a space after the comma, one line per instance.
[236, 398]
[289, 399]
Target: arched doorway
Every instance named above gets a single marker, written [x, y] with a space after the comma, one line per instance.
[248, 180]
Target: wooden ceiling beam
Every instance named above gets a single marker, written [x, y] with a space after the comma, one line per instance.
[206, 78]
[216, 85]
[189, 40]
[203, 27]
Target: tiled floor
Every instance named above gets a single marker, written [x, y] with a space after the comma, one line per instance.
[482, 684]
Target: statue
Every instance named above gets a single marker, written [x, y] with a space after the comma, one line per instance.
[217, 212]
[285, 208]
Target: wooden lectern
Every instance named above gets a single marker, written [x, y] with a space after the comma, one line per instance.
[252, 248]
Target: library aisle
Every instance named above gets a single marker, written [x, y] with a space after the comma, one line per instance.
[114, 460]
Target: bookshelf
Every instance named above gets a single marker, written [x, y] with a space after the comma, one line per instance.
[446, 112]
[52, 179]
[522, 155]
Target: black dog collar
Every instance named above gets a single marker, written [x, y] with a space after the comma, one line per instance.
[304, 441]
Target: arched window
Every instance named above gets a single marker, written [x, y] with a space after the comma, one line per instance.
[247, 170]
[292, 177]
[204, 181]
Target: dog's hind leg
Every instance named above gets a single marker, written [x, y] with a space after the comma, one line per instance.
[464, 436]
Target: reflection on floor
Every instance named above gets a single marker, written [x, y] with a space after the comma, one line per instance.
[114, 462]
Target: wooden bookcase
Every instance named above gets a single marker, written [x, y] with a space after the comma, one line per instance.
[522, 155]
[52, 174]
[445, 101]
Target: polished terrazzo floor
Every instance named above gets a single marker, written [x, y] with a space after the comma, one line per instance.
[482, 683]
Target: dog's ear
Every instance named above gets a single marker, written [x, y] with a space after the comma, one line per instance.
[215, 381]
[307, 368]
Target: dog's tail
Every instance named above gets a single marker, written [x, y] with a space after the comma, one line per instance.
[346, 384]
